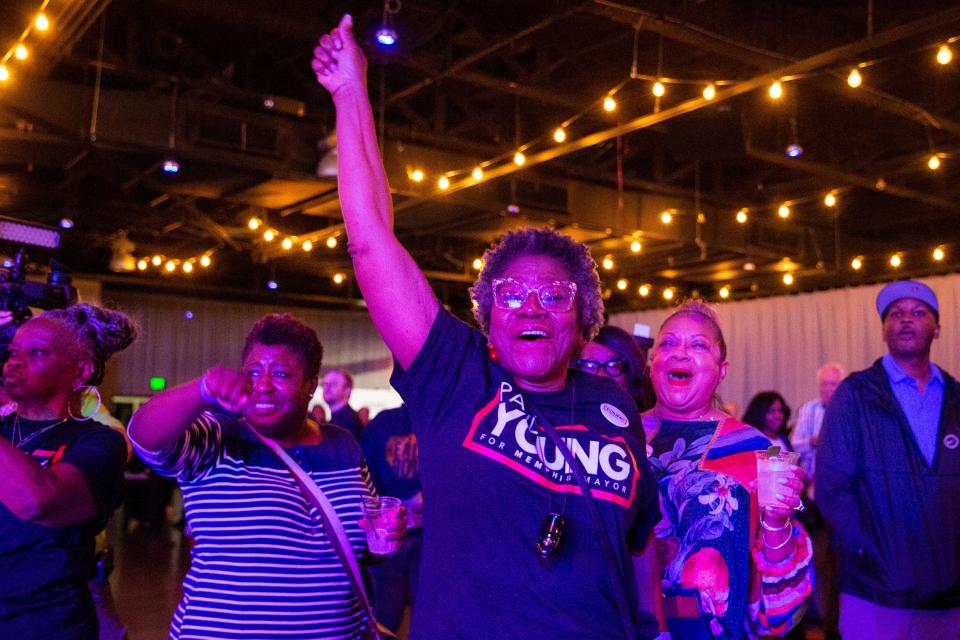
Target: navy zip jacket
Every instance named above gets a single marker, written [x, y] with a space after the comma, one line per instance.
[897, 517]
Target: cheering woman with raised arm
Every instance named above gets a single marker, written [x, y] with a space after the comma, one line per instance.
[512, 547]
[62, 472]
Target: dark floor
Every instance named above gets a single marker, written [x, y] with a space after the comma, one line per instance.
[149, 567]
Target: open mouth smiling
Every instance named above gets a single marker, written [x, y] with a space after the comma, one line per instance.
[679, 377]
[532, 335]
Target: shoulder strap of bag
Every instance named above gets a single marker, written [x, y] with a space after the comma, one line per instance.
[614, 576]
[333, 527]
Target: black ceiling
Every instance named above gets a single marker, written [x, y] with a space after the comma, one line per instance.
[87, 120]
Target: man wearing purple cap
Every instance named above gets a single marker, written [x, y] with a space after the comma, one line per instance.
[888, 480]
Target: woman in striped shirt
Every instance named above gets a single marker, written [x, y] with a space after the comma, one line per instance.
[263, 566]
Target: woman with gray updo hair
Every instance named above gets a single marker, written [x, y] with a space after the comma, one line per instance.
[515, 547]
[62, 472]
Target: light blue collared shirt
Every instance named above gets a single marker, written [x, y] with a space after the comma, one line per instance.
[922, 410]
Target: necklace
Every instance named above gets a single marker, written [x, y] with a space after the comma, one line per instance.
[19, 440]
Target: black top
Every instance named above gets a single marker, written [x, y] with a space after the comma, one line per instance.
[347, 418]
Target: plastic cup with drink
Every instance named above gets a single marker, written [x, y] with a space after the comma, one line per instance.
[381, 512]
[771, 463]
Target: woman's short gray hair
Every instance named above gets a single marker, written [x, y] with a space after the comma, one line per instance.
[541, 241]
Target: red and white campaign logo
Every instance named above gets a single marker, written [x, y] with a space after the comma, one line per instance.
[503, 431]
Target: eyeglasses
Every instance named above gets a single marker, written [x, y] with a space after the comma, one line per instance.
[554, 296]
[614, 366]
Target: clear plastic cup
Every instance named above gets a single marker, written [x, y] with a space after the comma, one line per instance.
[381, 512]
[769, 468]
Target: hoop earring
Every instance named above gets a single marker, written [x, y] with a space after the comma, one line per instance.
[85, 391]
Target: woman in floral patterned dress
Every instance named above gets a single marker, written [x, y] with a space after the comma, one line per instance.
[727, 571]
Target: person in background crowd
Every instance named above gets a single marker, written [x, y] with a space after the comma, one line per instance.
[263, 565]
[888, 480]
[615, 353]
[390, 448]
[804, 437]
[337, 387]
[770, 413]
[723, 575]
[806, 431]
[62, 473]
[510, 548]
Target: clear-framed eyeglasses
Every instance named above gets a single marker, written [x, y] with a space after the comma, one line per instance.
[614, 366]
[555, 296]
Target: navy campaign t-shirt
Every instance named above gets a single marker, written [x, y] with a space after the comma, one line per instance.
[39, 562]
[392, 454]
[488, 483]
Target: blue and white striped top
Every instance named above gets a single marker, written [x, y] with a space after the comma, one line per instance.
[262, 566]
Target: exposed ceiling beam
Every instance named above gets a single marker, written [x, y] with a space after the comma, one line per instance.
[758, 58]
[837, 175]
[475, 57]
[807, 65]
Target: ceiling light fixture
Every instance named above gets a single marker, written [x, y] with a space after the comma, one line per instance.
[386, 35]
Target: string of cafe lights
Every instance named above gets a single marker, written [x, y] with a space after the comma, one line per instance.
[891, 261]
[18, 50]
[169, 265]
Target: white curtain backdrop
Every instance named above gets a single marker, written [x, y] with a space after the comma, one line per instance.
[779, 343]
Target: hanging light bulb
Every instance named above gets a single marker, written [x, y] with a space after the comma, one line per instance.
[896, 260]
[830, 200]
[332, 242]
[609, 104]
[254, 223]
[854, 79]
[4, 73]
[287, 244]
[857, 263]
[666, 217]
[939, 254]
[307, 246]
[21, 53]
[944, 55]
[477, 264]
[559, 135]
[443, 183]
[788, 279]
[636, 247]
[204, 261]
[709, 92]
[386, 35]
[784, 211]
[622, 284]
[724, 292]
[519, 159]
[644, 290]
[142, 264]
[269, 235]
[668, 293]
[477, 173]
[417, 175]
[742, 216]
[188, 267]
[658, 89]
[170, 266]
[607, 263]
[338, 278]
[41, 22]
[775, 91]
[933, 162]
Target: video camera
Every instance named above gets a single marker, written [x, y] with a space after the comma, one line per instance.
[17, 294]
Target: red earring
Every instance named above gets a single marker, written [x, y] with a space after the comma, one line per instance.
[493, 352]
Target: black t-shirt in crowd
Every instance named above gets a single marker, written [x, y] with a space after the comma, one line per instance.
[37, 561]
[347, 418]
[392, 455]
[488, 483]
